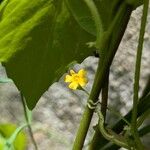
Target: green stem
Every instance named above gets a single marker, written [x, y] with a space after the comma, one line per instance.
[137, 76]
[119, 115]
[99, 29]
[113, 137]
[144, 105]
[100, 76]
[27, 114]
[116, 113]
[84, 90]
[103, 108]
[145, 130]
[111, 146]
[105, 95]
[147, 88]
[122, 21]
[135, 3]
[88, 113]
[13, 137]
[143, 117]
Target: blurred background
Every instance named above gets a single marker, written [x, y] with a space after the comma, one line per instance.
[57, 115]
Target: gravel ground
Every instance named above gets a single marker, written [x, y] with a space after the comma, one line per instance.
[57, 114]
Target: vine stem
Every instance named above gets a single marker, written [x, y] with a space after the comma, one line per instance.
[137, 76]
[27, 113]
[143, 105]
[116, 113]
[105, 95]
[88, 113]
[118, 27]
[103, 110]
[98, 23]
[103, 66]
[112, 136]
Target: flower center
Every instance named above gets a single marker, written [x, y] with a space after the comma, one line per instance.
[76, 78]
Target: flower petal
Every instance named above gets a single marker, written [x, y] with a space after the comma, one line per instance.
[68, 78]
[72, 72]
[73, 85]
[83, 82]
[82, 73]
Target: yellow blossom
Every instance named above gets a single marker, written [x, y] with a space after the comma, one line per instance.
[76, 79]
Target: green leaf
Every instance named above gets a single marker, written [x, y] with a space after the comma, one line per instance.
[135, 3]
[2, 142]
[82, 15]
[38, 39]
[107, 10]
[143, 106]
[12, 133]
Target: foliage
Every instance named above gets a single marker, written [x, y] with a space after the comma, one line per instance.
[8, 133]
[35, 38]
[41, 39]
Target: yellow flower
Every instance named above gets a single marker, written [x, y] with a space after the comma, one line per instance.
[76, 79]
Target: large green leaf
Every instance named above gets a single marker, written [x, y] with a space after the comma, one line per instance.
[82, 15]
[107, 10]
[38, 39]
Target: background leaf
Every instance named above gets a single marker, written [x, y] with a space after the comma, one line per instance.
[107, 10]
[38, 39]
[2, 142]
[82, 15]
[6, 130]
